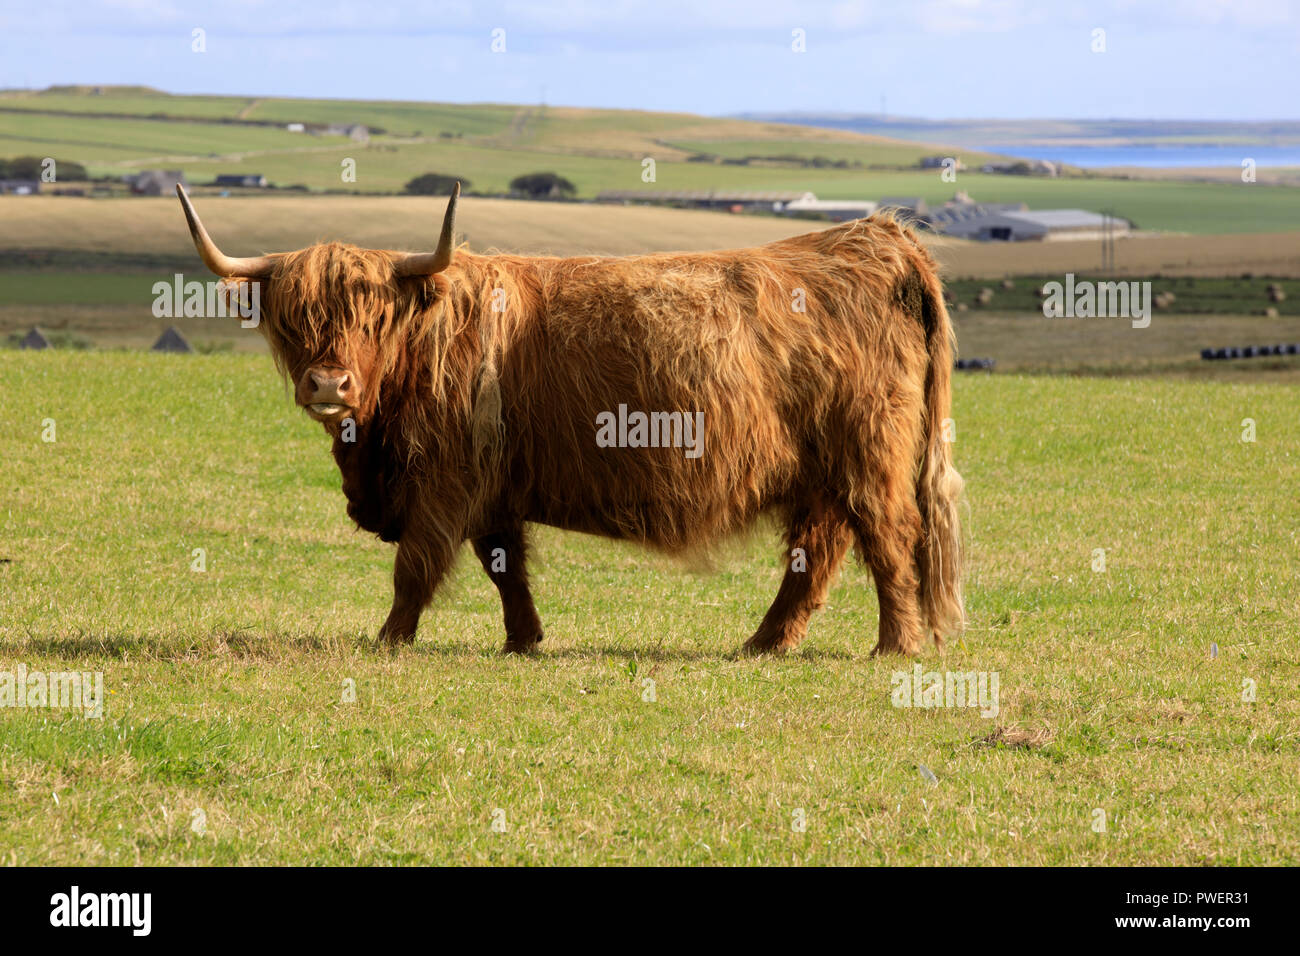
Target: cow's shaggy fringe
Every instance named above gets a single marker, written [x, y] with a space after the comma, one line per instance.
[821, 364]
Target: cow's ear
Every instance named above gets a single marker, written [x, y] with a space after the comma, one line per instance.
[429, 290]
[236, 292]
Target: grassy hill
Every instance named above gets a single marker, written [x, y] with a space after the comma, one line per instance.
[118, 131]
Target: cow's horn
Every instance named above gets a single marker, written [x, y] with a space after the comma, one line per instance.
[255, 267]
[427, 263]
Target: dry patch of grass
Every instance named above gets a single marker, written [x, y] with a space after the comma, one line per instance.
[243, 225]
[1016, 738]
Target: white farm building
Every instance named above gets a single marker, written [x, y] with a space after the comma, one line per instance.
[1041, 225]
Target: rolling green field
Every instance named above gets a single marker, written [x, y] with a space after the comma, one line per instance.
[226, 738]
[114, 141]
[123, 131]
[1193, 295]
[79, 288]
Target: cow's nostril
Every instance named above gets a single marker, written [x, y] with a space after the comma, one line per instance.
[327, 382]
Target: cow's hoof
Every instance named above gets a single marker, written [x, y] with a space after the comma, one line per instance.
[768, 644]
[526, 646]
[894, 650]
[393, 636]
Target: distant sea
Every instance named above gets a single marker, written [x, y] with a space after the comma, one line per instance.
[1090, 157]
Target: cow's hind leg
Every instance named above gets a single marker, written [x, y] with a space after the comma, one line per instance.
[888, 545]
[503, 556]
[816, 540]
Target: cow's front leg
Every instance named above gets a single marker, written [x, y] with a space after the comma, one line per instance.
[417, 572]
[503, 555]
[817, 540]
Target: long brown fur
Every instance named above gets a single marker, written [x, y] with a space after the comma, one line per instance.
[476, 420]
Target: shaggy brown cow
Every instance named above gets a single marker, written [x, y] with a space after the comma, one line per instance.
[668, 399]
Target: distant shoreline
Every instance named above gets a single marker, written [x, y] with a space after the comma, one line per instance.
[1089, 144]
[1171, 156]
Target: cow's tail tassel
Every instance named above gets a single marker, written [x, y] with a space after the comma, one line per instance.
[485, 422]
[939, 486]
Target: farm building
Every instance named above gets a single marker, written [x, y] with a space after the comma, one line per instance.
[913, 208]
[734, 201]
[937, 162]
[356, 132]
[1042, 225]
[966, 210]
[836, 210]
[242, 181]
[19, 187]
[156, 182]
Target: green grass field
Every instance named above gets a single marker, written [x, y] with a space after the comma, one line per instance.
[111, 140]
[225, 687]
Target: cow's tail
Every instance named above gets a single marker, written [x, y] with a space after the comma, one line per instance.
[939, 486]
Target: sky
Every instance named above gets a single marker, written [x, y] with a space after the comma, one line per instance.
[939, 59]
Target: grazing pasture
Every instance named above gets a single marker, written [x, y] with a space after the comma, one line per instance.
[226, 737]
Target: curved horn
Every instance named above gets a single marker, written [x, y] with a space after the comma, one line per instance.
[427, 263]
[256, 267]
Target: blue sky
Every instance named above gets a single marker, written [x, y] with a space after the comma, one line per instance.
[1177, 59]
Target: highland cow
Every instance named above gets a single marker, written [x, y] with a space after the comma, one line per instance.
[469, 396]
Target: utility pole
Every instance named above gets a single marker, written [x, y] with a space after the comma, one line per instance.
[1108, 241]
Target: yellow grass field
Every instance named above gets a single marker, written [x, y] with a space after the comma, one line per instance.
[251, 225]
[1271, 254]
[248, 225]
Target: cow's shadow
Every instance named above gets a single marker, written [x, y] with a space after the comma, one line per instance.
[665, 654]
[114, 646]
[123, 646]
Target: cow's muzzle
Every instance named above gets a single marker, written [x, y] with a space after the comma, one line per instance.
[328, 393]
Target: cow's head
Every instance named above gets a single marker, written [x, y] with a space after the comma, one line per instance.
[335, 314]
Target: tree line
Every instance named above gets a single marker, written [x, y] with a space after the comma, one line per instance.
[531, 185]
[32, 167]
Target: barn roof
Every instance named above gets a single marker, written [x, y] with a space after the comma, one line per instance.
[1060, 218]
[814, 205]
[699, 195]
